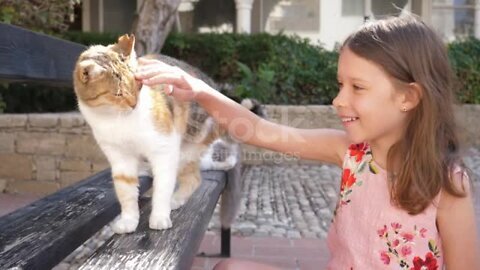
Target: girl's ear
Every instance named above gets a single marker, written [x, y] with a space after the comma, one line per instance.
[412, 96]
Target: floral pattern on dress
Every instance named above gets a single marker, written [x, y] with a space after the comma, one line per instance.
[399, 248]
[359, 157]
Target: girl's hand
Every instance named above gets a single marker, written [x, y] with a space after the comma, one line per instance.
[179, 84]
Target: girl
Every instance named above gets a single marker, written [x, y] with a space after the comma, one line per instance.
[405, 200]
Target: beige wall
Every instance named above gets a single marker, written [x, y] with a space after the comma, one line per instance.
[41, 153]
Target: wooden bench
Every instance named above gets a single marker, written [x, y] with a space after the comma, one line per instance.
[42, 234]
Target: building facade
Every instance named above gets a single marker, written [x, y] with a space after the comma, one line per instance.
[325, 22]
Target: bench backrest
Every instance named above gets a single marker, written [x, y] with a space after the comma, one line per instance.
[29, 56]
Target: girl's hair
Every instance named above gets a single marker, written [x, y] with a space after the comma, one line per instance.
[409, 51]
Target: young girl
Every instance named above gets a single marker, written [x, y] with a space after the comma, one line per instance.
[405, 199]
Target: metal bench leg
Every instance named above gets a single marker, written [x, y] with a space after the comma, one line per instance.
[225, 238]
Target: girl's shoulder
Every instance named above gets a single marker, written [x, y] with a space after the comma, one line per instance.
[459, 180]
[457, 190]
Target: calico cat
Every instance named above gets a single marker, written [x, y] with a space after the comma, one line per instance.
[133, 122]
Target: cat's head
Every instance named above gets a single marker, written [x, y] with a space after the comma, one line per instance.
[104, 75]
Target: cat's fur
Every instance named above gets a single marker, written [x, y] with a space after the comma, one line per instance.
[225, 154]
[132, 122]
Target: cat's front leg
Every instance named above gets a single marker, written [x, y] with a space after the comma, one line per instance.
[125, 182]
[164, 168]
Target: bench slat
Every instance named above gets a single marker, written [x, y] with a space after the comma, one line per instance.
[174, 248]
[41, 234]
[30, 56]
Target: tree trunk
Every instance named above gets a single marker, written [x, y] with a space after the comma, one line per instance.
[153, 24]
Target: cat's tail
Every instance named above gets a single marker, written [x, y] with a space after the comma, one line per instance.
[254, 106]
[231, 197]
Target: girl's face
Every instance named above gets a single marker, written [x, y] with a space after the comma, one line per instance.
[367, 102]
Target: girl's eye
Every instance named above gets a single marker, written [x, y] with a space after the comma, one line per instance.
[356, 87]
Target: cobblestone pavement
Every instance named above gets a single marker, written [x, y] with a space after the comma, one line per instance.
[281, 201]
[297, 201]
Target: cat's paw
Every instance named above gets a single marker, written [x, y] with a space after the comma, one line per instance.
[176, 203]
[160, 222]
[123, 225]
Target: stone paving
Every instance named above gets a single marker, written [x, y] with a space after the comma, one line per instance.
[296, 201]
[290, 202]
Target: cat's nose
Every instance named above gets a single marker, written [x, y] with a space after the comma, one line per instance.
[89, 71]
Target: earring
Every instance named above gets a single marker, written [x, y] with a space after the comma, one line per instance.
[404, 109]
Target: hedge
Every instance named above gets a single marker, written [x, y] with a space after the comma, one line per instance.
[275, 69]
[465, 59]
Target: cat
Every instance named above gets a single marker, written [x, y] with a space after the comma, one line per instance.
[222, 154]
[226, 154]
[133, 122]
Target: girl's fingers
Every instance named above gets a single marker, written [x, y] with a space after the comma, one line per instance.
[168, 78]
[150, 63]
[181, 89]
[153, 72]
[144, 60]
[147, 73]
[156, 64]
[182, 94]
[156, 69]
[150, 71]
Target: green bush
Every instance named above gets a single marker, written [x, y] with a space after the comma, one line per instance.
[32, 98]
[47, 16]
[2, 104]
[465, 59]
[275, 69]
[90, 38]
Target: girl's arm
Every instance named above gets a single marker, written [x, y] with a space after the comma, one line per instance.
[456, 224]
[326, 145]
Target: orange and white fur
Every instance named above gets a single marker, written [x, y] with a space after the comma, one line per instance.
[133, 123]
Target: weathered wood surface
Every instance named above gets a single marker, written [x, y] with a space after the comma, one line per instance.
[30, 56]
[174, 248]
[41, 234]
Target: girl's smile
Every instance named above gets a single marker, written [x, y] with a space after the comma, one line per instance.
[348, 120]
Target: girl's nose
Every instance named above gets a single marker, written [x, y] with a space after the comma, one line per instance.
[339, 100]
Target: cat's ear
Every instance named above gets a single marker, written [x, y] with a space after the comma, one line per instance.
[89, 71]
[126, 43]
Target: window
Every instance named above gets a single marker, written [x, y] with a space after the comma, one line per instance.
[382, 8]
[291, 15]
[453, 18]
[353, 7]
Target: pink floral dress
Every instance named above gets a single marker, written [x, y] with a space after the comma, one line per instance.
[368, 232]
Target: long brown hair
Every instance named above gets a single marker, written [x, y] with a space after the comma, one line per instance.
[410, 52]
